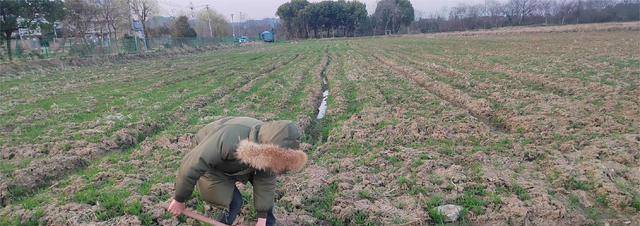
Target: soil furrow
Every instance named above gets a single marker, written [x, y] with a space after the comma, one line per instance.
[561, 86]
[575, 112]
[478, 108]
[309, 124]
[250, 82]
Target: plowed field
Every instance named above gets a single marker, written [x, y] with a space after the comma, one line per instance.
[518, 126]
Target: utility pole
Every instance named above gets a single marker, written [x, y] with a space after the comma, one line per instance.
[55, 34]
[233, 27]
[193, 15]
[209, 18]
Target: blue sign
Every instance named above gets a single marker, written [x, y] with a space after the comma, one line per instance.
[137, 26]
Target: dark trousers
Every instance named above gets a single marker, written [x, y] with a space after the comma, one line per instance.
[227, 217]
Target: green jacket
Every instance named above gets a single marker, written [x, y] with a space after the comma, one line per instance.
[241, 148]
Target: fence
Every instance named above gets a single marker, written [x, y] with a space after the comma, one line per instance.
[34, 48]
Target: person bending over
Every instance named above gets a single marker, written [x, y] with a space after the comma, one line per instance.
[238, 149]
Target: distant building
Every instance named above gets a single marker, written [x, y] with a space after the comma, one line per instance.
[27, 29]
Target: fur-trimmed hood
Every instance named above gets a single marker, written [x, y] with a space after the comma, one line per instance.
[270, 157]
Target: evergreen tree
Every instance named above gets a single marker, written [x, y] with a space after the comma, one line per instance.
[33, 11]
[391, 15]
[182, 29]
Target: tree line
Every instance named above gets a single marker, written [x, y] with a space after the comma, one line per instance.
[84, 21]
[493, 13]
[302, 19]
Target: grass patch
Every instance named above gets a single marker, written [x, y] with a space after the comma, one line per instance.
[574, 202]
[417, 163]
[364, 194]
[7, 167]
[472, 203]
[393, 160]
[602, 201]
[521, 192]
[360, 218]
[407, 183]
[434, 214]
[321, 206]
[36, 201]
[575, 184]
[495, 199]
[635, 203]
[112, 203]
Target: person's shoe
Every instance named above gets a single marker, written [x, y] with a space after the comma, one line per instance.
[225, 217]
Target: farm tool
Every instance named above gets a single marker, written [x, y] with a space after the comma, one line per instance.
[194, 215]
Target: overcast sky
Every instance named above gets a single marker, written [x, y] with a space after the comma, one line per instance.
[258, 9]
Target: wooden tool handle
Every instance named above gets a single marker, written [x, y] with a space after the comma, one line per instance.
[199, 217]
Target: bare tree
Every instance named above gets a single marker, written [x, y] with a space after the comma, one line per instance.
[565, 9]
[80, 19]
[546, 9]
[456, 15]
[495, 10]
[220, 27]
[474, 15]
[144, 10]
[522, 8]
[113, 14]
